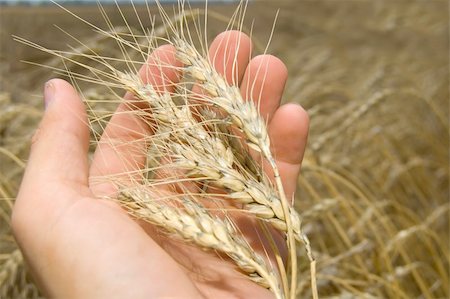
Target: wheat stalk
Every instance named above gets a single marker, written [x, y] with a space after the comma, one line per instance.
[14, 281]
[9, 271]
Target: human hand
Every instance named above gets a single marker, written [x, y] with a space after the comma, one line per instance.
[81, 246]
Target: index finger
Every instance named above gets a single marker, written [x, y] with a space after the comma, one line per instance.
[122, 149]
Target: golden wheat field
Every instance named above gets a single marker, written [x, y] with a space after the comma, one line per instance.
[374, 78]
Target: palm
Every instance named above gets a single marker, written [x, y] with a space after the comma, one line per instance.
[94, 243]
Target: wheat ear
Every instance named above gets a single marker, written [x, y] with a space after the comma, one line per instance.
[245, 116]
[207, 157]
[204, 155]
[194, 224]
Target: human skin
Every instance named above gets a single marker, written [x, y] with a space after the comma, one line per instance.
[79, 245]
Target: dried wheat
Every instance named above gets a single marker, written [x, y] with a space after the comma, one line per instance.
[195, 224]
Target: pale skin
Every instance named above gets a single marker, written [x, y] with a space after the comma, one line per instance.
[80, 246]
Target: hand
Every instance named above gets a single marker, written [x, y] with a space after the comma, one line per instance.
[80, 246]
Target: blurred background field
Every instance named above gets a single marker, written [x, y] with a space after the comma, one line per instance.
[374, 77]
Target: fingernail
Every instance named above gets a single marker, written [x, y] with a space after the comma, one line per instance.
[49, 94]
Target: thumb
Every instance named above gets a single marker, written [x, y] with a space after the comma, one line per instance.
[57, 169]
[60, 144]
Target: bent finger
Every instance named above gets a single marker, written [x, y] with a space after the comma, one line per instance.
[288, 132]
[263, 82]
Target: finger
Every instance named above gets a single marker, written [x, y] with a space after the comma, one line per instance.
[122, 149]
[230, 53]
[263, 82]
[58, 157]
[59, 146]
[288, 132]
